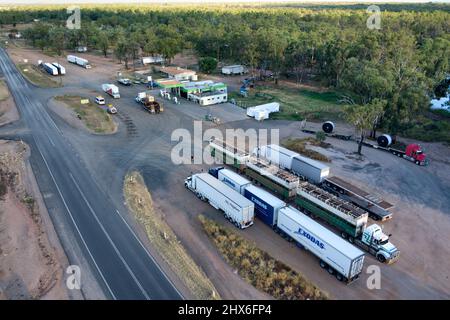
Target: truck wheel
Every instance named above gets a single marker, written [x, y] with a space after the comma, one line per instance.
[417, 162]
[381, 258]
[339, 277]
[330, 270]
[351, 239]
[343, 235]
[323, 265]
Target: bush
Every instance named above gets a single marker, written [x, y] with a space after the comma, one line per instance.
[207, 64]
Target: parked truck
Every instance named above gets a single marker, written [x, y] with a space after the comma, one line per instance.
[60, 68]
[377, 208]
[235, 207]
[149, 103]
[227, 154]
[412, 152]
[266, 204]
[304, 167]
[111, 89]
[51, 69]
[350, 220]
[79, 61]
[233, 180]
[336, 255]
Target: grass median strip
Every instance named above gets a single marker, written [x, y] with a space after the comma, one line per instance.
[164, 240]
[258, 268]
[37, 76]
[94, 117]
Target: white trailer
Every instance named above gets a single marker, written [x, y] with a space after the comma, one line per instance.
[310, 169]
[51, 69]
[111, 89]
[233, 180]
[61, 69]
[152, 59]
[336, 255]
[276, 154]
[79, 61]
[236, 208]
[232, 70]
[263, 111]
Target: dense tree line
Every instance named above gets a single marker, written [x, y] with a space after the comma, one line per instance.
[398, 67]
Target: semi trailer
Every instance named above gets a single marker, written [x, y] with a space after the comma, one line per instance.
[228, 154]
[304, 167]
[60, 68]
[235, 207]
[51, 69]
[266, 204]
[233, 180]
[350, 220]
[149, 103]
[412, 152]
[336, 255]
[111, 89]
[79, 61]
[377, 208]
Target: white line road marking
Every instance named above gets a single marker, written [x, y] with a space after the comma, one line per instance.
[148, 254]
[50, 139]
[75, 224]
[110, 240]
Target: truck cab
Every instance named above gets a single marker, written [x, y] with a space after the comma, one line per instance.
[415, 153]
[379, 244]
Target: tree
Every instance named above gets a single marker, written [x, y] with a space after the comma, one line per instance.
[207, 64]
[363, 117]
[103, 42]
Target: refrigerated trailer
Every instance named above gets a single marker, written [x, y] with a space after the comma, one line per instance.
[51, 69]
[236, 208]
[233, 180]
[266, 204]
[336, 255]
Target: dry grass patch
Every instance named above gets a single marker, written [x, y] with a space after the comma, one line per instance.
[94, 117]
[37, 76]
[258, 268]
[165, 241]
[299, 145]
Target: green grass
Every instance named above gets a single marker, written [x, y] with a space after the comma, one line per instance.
[296, 104]
[429, 131]
[37, 76]
[94, 117]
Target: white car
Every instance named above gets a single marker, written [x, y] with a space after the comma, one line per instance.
[99, 100]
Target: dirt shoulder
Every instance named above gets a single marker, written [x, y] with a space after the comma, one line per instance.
[139, 201]
[32, 262]
[8, 111]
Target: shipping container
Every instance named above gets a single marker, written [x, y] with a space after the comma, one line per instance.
[266, 204]
[335, 254]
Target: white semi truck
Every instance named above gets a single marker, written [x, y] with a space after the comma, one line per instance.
[111, 89]
[236, 208]
[336, 255]
[79, 61]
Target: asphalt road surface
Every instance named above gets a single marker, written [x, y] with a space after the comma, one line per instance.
[120, 262]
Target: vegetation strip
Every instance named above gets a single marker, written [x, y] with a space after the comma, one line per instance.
[259, 268]
[161, 236]
[95, 118]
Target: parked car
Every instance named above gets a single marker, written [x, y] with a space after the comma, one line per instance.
[99, 100]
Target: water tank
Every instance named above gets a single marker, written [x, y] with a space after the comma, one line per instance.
[328, 127]
[384, 140]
